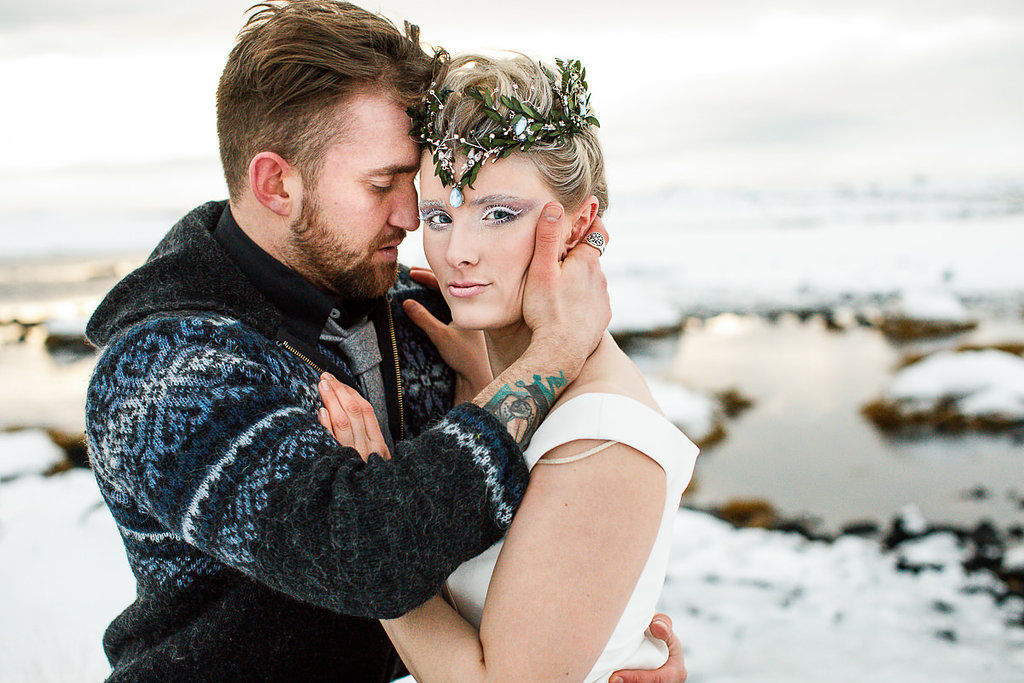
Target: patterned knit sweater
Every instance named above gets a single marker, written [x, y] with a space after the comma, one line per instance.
[260, 546]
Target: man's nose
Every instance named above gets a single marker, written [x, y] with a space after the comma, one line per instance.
[404, 210]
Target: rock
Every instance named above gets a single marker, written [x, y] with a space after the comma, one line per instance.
[908, 524]
[752, 512]
[988, 549]
[862, 528]
[73, 446]
[67, 336]
[953, 391]
[918, 314]
[733, 402]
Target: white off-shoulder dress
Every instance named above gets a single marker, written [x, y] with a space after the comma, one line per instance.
[615, 418]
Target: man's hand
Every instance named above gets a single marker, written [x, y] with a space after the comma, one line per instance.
[672, 671]
[464, 351]
[566, 302]
[350, 418]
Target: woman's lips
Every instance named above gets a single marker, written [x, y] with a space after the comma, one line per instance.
[465, 289]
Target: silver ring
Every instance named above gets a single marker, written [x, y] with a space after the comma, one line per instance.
[596, 240]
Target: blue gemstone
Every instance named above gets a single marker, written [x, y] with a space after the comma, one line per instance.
[455, 198]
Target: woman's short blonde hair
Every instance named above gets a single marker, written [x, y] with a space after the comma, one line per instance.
[572, 166]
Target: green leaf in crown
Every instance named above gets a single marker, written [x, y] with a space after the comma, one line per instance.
[521, 125]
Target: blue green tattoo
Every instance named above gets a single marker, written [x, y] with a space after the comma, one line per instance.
[521, 408]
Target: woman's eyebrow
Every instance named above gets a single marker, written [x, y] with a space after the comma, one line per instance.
[431, 204]
[494, 198]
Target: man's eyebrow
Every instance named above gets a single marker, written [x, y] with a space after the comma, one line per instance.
[492, 198]
[394, 169]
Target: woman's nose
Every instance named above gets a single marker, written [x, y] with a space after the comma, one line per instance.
[462, 248]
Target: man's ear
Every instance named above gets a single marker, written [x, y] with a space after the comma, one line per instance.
[581, 221]
[275, 183]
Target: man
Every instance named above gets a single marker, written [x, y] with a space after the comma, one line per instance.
[262, 549]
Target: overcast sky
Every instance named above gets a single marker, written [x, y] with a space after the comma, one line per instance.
[736, 92]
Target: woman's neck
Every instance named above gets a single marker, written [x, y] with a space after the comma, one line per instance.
[505, 345]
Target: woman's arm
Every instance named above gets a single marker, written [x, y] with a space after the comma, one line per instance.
[564, 575]
[570, 562]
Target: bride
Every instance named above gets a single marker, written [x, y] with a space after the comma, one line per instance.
[569, 593]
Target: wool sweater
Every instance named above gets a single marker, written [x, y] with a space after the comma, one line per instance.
[262, 549]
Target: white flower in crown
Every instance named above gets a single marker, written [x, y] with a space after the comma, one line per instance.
[520, 124]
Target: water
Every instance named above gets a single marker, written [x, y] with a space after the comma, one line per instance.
[804, 445]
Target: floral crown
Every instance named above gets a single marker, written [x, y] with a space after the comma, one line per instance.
[520, 126]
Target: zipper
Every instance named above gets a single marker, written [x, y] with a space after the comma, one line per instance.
[398, 374]
[304, 359]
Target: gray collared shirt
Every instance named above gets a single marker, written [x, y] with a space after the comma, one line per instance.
[358, 343]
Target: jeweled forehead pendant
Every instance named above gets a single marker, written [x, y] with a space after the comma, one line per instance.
[519, 126]
[455, 199]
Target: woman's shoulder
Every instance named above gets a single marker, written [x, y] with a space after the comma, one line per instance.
[609, 371]
[610, 402]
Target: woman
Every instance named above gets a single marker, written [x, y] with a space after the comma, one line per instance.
[570, 591]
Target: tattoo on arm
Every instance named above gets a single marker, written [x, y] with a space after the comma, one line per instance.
[522, 407]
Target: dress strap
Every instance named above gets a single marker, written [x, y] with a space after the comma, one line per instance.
[618, 418]
[579, 456]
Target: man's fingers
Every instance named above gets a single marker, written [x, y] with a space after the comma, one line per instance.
[661, 627]
[325, 419]
[340, 425]
[368, 437]
[674, 668]
[365, 432]
[425, 320]
[424, 276]
[547, 247]
[584, 247]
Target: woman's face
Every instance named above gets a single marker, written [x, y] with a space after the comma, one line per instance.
[480, 251]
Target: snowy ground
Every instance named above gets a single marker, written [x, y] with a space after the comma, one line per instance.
[982, 384]
[750, 605]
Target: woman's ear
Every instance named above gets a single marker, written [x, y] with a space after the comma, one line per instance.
[275, 183]
[581, 221]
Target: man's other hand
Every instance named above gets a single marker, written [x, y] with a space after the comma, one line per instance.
[672, 671]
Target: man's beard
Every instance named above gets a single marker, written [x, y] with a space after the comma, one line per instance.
[332, 265]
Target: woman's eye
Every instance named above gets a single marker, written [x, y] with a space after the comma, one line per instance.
[500, 214]
[436, 220]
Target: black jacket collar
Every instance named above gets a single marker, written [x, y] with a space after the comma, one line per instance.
[304, 307]
[207, 263]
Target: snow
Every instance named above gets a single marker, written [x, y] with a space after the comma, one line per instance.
[750, 605]
[67, 327]
[695, 413]
[986, 383]
[933, 305]
[64, 577]
[758, 606]
[25, 452]
[636, 308]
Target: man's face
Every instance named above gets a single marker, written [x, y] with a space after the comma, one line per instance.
[346, 238]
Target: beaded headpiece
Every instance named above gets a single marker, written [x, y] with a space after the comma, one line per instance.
[519, 125]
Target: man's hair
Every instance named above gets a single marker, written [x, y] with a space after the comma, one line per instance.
[572, 166]
[293, 64]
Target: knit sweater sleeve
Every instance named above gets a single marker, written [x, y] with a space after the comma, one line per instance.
[203, 426]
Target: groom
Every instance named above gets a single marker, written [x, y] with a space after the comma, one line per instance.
[262, 549]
